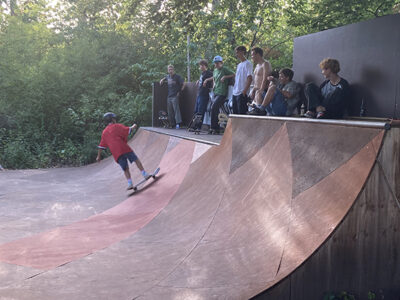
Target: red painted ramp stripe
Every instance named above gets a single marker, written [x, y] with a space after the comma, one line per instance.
[65, 244]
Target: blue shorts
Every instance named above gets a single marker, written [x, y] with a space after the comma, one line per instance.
[123, 159]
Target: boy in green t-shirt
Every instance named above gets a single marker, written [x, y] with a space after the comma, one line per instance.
[220, 77]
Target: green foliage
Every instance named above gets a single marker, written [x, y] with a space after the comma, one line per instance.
[340, 296]
[313, 16]
[54, 89]
[61, 68]
[346, 296]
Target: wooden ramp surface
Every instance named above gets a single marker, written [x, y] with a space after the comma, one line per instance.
[233, 221]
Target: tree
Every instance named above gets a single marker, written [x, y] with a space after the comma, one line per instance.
[62, 67]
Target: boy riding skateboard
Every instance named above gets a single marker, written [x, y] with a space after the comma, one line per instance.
[115, 138]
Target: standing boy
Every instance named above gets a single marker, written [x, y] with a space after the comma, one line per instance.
[220, 77]
[115, 137]
[175, 86]
[261, 73]
[203, 94]
[243, 79]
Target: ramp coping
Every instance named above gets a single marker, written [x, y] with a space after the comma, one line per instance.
[367, 124]
[154, 129]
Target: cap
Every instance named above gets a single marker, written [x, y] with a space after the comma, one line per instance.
[217, 59]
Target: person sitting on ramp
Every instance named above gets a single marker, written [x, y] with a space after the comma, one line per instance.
[115, 138]
[274, 103]
[330, 100]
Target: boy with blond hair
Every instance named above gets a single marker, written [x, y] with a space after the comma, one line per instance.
[330, 100]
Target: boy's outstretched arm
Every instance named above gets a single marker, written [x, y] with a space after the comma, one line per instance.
[133, 127]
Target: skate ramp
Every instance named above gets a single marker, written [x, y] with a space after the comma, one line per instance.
[222, 222]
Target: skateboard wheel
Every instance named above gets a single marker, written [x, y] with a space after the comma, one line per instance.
[154, 177]
[135, 189]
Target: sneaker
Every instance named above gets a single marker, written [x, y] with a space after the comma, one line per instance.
[320, 115]
[251, 104]
[145, 175]
[257, 112]
[309, 114]
[130, 186]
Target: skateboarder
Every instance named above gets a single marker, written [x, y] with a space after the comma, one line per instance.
[115, 137]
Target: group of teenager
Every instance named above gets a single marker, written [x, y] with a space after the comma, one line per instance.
[271, 94]
[259, 92]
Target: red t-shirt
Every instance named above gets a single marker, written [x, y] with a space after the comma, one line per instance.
[115, 138]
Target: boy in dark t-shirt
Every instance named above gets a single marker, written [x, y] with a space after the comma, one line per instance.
[203, 93]
[115, 138]
[331, 98]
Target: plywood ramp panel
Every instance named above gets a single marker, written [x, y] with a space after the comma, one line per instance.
[362, 254]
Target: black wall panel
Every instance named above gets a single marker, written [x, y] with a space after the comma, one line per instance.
[369, 55]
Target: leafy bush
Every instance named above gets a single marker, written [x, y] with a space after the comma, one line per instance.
[347, 296]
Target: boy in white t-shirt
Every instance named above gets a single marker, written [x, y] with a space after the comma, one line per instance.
[243, 79]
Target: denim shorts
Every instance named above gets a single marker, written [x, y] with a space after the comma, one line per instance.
[278, 105]
[123, 159]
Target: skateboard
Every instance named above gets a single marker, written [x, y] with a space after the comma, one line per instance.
[163, 118]
[194, 123]
[198, 131]
[223, 120]
[152, 175]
